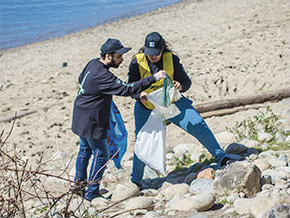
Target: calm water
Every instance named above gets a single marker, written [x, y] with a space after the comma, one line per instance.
[23, 22]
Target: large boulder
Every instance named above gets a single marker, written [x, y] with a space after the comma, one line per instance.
[124, 191]
[238, 177]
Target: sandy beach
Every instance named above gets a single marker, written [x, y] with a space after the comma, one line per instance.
[229, 48]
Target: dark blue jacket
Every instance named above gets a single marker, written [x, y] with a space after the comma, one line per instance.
[91, 111]
[179, 74]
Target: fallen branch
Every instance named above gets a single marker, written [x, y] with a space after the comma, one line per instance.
[229, 111]
[241, 101]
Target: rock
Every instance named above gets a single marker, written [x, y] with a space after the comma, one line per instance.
[175, 190]
[138, 202]
[238, 177]
[267, 187]
[225, 138]
[184, 148]
[283, 157]
[203, 201]
[252, 157]
[99, 202]
[275, 175]
[136, 213]
[242, 205]
[264, 137]
[277, 163]
[265, 146]
[287, 139]
[92, 211]
[201, 185]
[207, 173]
[249, 143]
[182, 204]
[170, 156]
[79, 204]
[164, 186]
[198, 216]
[279, 211]
[279, 137]
[233, 197]
[278, 196]
[174, 200]
[266, 154]
[57, 216]
[151, 214]
[262, 164]
[236, 148]
[124, 191]
[259, 205]
[195, 156]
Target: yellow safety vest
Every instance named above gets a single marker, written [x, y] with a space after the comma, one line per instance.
[145, 72]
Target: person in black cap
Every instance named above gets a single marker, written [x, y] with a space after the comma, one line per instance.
[154, 56]
[91, 113]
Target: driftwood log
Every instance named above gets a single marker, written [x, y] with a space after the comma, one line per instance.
[208, 109]
[241, 101]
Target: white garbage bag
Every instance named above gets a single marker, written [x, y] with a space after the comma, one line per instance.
[150, 146]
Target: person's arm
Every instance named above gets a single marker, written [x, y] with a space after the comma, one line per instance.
[134, 75]
[111, 85]
[180, 75]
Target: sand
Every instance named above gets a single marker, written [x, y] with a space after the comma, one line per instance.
[229, 48]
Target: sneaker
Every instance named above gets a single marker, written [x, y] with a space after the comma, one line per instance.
[89, 197]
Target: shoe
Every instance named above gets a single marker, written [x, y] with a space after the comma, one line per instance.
[89, 197]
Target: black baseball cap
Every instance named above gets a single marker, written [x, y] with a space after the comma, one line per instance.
[153, 44]
[113, 46]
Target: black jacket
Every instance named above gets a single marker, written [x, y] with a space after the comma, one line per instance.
[91, 111]
[179, 74]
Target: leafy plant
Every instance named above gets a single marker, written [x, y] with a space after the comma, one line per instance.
[181, 163]
[249, 128]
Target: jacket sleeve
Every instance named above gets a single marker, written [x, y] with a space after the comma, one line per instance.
[180, 74]
[134, 75]
[111, 85]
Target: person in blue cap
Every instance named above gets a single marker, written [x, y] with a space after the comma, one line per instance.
[91, 113]
[154, 56]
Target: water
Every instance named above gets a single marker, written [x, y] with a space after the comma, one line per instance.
[23, 22]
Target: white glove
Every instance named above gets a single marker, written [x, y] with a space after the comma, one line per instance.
[161, 74]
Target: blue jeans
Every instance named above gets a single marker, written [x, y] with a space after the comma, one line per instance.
[99, 149]
[189, 120]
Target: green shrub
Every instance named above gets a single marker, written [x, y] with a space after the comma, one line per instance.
[249, 128]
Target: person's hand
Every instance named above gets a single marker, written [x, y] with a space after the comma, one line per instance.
[161, 74]
[177, 85]
[143, 97]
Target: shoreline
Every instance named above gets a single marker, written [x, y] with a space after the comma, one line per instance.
[106, 22]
